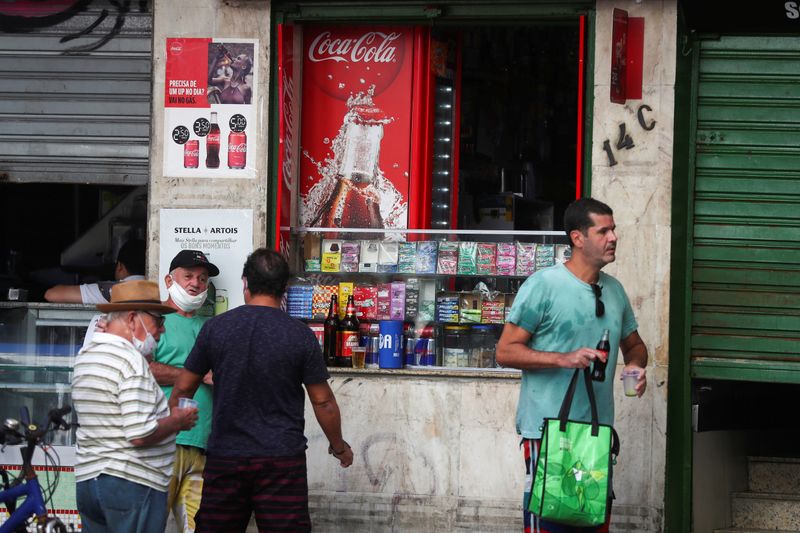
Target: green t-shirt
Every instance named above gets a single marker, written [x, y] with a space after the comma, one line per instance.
[173, 348]
[558, 310]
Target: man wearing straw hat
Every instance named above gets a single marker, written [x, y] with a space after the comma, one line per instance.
[126, 438]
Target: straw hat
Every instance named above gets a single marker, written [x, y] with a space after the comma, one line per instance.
[139, 295]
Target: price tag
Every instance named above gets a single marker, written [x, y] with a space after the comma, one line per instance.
[201, 127]
[180, 134]
[237, 123]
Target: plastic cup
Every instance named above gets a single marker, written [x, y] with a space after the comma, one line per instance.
[185, 403]
[629, 380]
[359, 356]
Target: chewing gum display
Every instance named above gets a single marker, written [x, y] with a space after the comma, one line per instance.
[447, 307]
[427, 300]
[486, 263]
[384, 301]
[345, 290]
[397, 303]
[493, 309]
[387, 257]
[447, 262]
[426, 257]
[506, 259]
[299, 301]
[407, 257]
[468, 258]
[563, 253]
[350, 254]
[412, 298]
[545, 256]
[526, 258]
[312, 252]
[369, 257]
[470, 308]
[366, 301]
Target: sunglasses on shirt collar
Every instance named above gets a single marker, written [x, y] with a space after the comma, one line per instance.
[599, 306]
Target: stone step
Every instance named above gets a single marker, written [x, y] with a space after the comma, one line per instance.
[763, 510]
[750, 530]
[774, 474]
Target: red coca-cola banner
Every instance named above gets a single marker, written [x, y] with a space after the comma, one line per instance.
[356, 126]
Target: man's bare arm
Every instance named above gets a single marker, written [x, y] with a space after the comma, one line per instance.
[326, 410]
[165, 375]
[513, 352]
[185, 386]
[634, 353]
[65, 294]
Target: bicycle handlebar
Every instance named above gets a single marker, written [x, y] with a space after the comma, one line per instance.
[14, 433]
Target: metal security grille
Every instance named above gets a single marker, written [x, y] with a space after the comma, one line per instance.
[746, 251]
[75, 92]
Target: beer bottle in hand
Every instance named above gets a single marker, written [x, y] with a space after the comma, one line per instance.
[348, 335]
[331, 332]
[599, 368]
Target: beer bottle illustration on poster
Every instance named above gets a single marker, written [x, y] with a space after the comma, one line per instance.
[210, 88]
[355, 131]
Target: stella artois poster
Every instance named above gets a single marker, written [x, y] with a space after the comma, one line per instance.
[355, 127]
[210, 92]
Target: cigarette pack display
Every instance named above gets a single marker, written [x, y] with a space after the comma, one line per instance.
[384, 301]
[426, 257]
[526, 258]
[468, 258]
[312, 252]
[545, 256]
[345, 290]
[369, 257]
[447, 262]
[563, 253]
[366, 300]
[350, 255]
[412, 298]
[447, 307]
[397, 304]
[322, 299]
[406, 257]
[331, 255]
[387, 257]
[470, 308]
[486, 263]
[427, 300]
[299, 301]
[506, 259]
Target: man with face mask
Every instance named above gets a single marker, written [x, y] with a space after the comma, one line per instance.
[126, 438]
[187, 284]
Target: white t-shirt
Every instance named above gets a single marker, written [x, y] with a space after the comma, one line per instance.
[93, 291]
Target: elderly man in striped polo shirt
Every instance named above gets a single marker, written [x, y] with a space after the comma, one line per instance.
[126, 438]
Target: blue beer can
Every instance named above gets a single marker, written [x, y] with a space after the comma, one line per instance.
[390, 347]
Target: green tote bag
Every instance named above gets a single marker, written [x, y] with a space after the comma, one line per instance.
[572, 484]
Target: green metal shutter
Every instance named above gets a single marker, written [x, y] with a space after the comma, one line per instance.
[746, 250]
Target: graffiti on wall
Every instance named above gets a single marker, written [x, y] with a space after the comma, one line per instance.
[22, 16]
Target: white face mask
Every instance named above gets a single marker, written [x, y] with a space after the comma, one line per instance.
[149, 343]
[184, 300]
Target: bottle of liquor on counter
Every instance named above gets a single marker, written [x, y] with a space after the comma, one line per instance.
[331, 332]
[599, 368]
[212, 143]
[348, 335]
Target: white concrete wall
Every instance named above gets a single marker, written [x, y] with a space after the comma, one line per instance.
[214, 19]
[639, 189]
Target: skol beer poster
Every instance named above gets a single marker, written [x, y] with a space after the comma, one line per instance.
[355, 127]
[224, 235]
[210, 92]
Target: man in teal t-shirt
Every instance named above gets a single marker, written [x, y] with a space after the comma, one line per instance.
[557, 319]
[187, 283]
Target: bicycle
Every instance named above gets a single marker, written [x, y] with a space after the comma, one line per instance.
[29, 436]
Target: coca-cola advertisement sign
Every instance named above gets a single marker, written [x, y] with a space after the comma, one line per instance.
[209, 94]
[355, 140]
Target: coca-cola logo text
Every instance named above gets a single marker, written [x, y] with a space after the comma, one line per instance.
[238, 148]
[192, 153]
[374, 46]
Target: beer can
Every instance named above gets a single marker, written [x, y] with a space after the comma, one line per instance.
[191, 154]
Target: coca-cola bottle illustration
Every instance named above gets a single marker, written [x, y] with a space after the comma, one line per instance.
[237, 149]
[355, 201]
[212, 143]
